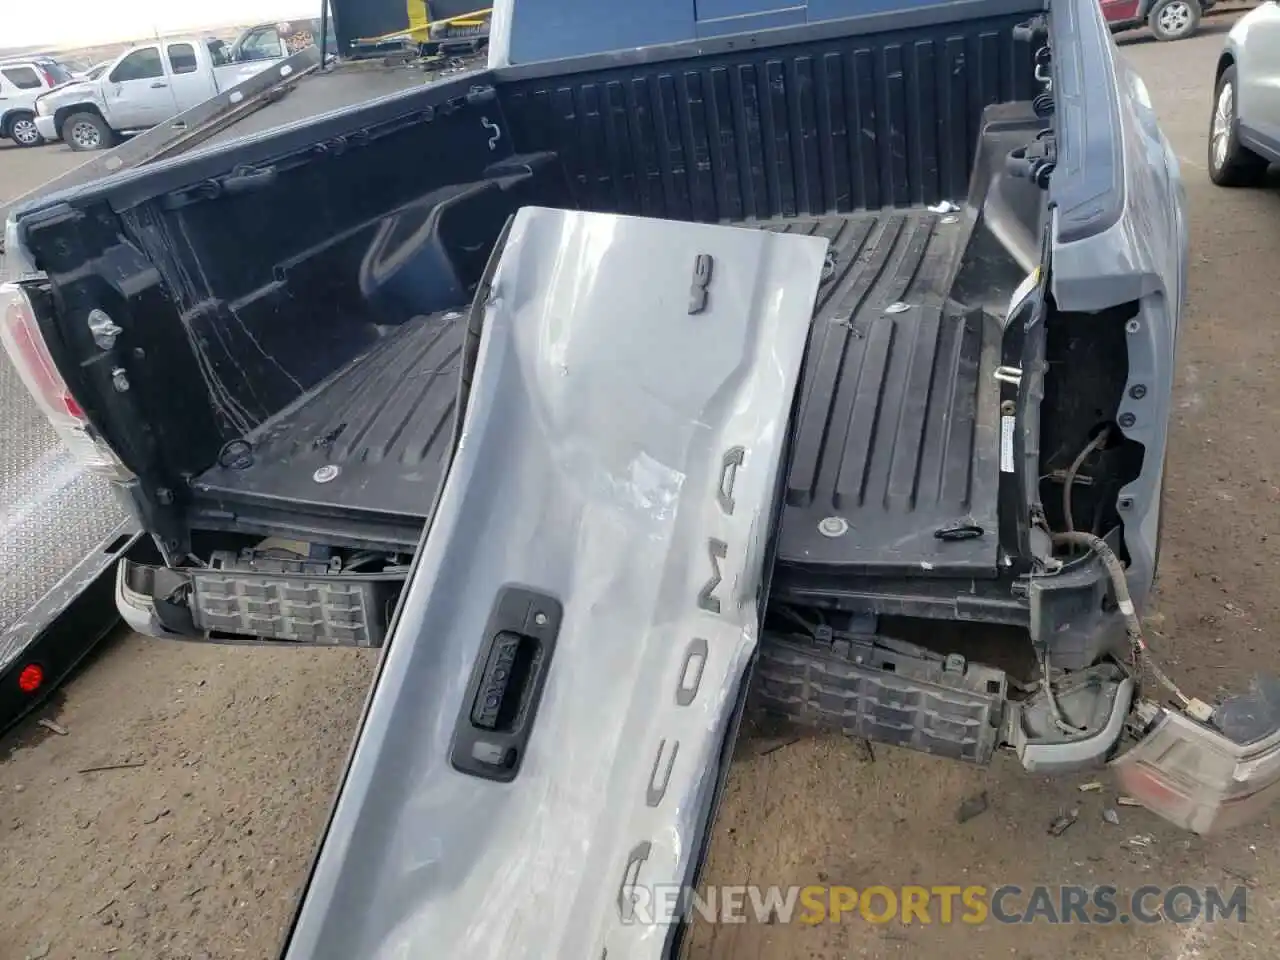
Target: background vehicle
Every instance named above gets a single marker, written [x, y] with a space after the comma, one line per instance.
[1167, 19]
[144, 86]
[22, 81]
[1244, 129]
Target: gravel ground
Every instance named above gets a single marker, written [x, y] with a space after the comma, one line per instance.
[197, 847]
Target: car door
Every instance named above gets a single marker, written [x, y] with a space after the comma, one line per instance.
[1258, 77]
[137, 91]
[192, 84]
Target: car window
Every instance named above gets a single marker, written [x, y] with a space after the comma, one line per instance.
[142, 64]
[261, 44]
[182, 58]
[218, 53]
[58, 72]
[24, 78]
[97, 71]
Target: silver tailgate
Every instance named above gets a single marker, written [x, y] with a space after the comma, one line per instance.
[620, 454]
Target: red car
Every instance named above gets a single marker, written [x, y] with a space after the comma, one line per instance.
[1168, 19]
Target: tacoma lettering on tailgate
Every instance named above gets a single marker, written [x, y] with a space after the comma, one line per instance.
[688, 682]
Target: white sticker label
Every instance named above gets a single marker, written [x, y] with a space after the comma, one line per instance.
[1007, 426]
[1024, 290]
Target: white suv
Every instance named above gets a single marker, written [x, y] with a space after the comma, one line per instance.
[1244, 130]
[21, 81]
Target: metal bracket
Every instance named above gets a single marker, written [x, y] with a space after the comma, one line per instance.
[1009, 375]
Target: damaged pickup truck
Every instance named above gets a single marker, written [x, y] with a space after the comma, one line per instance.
[824, 369]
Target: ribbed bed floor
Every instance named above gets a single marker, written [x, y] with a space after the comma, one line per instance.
[894, 463]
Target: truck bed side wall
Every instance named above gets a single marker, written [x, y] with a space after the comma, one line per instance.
[884, 119]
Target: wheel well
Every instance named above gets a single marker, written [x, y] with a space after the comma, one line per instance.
[6, 121]
[60, 115]
[1224, 61]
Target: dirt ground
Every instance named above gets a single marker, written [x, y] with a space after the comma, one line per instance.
[195, 849]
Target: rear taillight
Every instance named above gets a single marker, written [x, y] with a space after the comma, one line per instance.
[48, 77]
[22, 340]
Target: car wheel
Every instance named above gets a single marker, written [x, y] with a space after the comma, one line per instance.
[87, 131]
[1231, 164]
[1174, 19]
[22, 129]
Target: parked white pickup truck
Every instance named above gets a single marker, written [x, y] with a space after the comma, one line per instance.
[144, 86]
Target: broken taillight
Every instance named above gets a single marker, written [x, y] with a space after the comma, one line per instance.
[1197, 778]
[22, 340]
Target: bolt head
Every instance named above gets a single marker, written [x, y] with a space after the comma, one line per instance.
[1137, 391]
[1127, 419]
[326, 473]
[833, 526]
[540, 619]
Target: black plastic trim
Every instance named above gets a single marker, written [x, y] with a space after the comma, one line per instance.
[501, 702]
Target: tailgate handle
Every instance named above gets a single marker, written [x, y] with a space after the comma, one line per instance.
[507, 680]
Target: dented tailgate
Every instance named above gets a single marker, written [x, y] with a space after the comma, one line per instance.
[545, 731]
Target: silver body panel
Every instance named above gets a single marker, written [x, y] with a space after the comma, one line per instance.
[1133, 252]
[592, 467]
[1254, 48]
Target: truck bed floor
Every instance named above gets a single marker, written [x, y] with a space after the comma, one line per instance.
[895, 456]
[370, 444]
[895, 445]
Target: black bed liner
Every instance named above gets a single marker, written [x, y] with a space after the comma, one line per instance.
[896, 449]
[888, 447]
[383, 422]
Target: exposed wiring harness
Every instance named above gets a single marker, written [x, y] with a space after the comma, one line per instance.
[1132, 626]
[1070, 480]
[1059, 720]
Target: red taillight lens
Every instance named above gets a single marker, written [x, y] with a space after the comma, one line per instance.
[20, 335]
[31, 678]
[48, 77]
